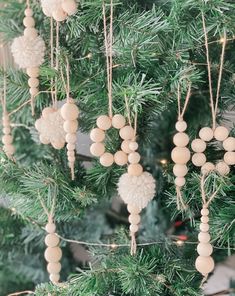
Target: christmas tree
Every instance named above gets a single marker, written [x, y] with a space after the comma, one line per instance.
[158, 52]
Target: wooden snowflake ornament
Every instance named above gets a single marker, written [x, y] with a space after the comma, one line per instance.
[50, 128]
[59, 9]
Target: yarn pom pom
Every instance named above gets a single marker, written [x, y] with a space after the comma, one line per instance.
[50, 6]
[137, 190]
[28, 52]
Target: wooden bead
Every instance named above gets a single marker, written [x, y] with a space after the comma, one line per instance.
[204, 219]
[134, 219]
[33, 82]
[6, 120]
[30, 32]
[204, 237]
[204, 265]
[52, 240]
[33, 72]
[29, 22]
[134, 228]
[46, 111]
[6, 130]
[207, 168]
[118, 121]
[97, 135]
[132, 209]
[70, 126]
[198, 159]
[181, 140]
[71, 138]
[198, 145]
[97, 149]
[70, 146]
[33, 91]
[221, 133]
[58, 144]
[125, 146]
[134, 157]
[9, 149]
[206, 134]
[180, 170]
[7, 139]
[53, 254]
[229, 158]
[71, 159]
[133, 146]
[135, 169]
[104, 122]
[229, 144]
[28, 12]
[120, 158]
[204, 249]
[69, 111]
[54, 278]
[50, 227]
[59, 15]
[179, 181]
[44, 140]
[204, 212]
[181, 126]
[204, 227]
[70, 153]
[69, 6]
[222, 168]
[127, 132]
[106, 159]
[54, 267]
[180, 155]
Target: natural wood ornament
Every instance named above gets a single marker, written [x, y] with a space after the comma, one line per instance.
[28, 52]
[7, 138]
[59, 9]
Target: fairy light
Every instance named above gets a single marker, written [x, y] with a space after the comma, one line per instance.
[163, 161]
[179, 243]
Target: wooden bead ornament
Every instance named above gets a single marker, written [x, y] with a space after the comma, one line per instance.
[7, 138]
[28, 52]
[69, 113]
[59, 9]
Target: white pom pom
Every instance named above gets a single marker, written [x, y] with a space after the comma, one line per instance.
[28, 52]
[49, 6]
[137, 190]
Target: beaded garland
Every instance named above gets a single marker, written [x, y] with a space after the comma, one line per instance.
[7, 138]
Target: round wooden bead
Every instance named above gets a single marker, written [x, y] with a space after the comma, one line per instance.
[6, 120]
[204, 265]
[59, 15]
[9, 149]
[206, 134]
[133, 146]
[229, 144]
[204, 237]
[70, 153]
[71, 158]
[180, 170]
[204, 219]
[106, 159]
[54, 278]
[70, 147]
[181, 126]
[44, 140]
[97, 149]
[127, 132]
[198, 145]
[6, 130]
[69, 6]
[54, 267]
[180, 181]
[181, 139]
[70, 126]
[71, 138]
[204, 249]
[50, 227]
[33, 91]
[134, 228]
[7, 139]
[204, 212]
[229, 158]
[180, 155]
[33, 82]
[53, 254]
[118, 121]
[28, 12]
[134, 157]
[125, 146]
[134, 219]
[198, 159]
[52, 240]
[221, 133]
[104, 122]
[58, 144]
[69, 111]
[30, 32]
[135, 169]
[132, 209]
[33, 72]
[97, 135]
[120, 158]
[204, 227]
[29, 22]
[222, 168]
[207, 168]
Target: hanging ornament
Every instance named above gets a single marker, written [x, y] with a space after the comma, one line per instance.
[28, 52]
[181, 154]
[59, 9]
